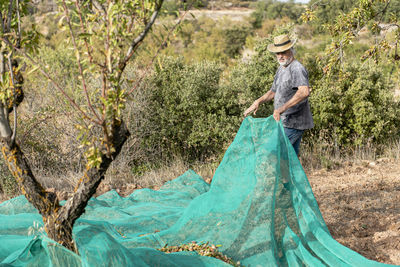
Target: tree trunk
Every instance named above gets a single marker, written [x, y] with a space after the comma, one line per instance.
[45, 202]
[59, 220]
[59, 231]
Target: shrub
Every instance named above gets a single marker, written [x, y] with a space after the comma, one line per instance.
[254, 78]
[188, 113]
[272, 9]
[235, 39]
[47, 135]
[356, 107]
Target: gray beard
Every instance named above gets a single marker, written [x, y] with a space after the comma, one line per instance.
[286, 63]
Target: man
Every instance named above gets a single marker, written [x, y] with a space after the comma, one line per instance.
[290, 91]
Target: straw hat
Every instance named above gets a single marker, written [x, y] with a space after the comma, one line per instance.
[281, 43]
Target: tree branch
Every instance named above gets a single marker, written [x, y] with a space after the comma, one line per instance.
[58, 87]
[19, 26]
[79, 61]
[2, 22]
[44, 202]
[141, 36]
[99, 6]
[92, 177]
[9, 16]
[158, 51]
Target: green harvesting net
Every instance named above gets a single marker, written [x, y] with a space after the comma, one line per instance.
[259, 210]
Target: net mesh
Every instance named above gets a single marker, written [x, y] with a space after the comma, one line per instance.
[259, 209]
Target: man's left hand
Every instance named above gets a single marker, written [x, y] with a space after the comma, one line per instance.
[277, 114]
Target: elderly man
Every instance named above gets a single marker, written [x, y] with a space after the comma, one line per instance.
[290, 91]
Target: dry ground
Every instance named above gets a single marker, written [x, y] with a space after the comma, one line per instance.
[360, 202]
[361, 206]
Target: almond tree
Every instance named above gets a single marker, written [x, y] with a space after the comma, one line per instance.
[104, 35]
[348, 26]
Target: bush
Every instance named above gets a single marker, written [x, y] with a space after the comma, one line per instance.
[235, 39]
[254, 79]
[356, 107]
[188, 113]
[272, 9]
[47, 131]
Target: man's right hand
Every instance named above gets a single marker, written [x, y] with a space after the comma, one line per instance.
[253, 108]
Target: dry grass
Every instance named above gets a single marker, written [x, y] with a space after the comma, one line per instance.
[327, 156]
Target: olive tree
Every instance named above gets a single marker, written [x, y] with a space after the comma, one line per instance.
[104, 36]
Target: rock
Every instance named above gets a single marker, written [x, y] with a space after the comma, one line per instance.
[371, 164]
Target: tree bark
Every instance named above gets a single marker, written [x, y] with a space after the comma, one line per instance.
[59, 220]
[45, 202]
[86, 188]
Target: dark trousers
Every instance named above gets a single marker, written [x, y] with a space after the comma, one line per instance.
[294, 136]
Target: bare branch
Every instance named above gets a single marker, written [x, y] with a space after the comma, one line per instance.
[19, 25]
[99, 6]
[2, 22]
[141, 36]
[158, 51]
[56, 85]
[79, 61]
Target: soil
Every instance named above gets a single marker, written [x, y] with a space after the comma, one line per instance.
[360, 204]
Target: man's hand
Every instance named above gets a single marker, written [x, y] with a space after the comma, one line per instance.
[253, 108]
[277, 114]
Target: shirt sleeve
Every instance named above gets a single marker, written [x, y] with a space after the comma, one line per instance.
[299, 76]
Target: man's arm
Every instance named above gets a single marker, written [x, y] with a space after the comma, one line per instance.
[302, 93]
[268, 96]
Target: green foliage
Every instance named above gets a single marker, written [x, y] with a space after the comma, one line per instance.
[189, 113]
[254, 78]
[171, 8]
[355, 107]
[200, 38]
[272, 9]
[327, 11]
[235, 38]
[103, 37]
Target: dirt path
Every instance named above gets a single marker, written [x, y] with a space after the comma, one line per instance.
[234, 14]
[361, 206]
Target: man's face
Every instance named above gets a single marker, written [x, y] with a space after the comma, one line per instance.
[284, 58]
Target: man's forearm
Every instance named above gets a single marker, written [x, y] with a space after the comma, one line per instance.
[302, 93]
[268, 96]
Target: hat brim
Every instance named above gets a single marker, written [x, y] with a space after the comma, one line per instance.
[276, 49]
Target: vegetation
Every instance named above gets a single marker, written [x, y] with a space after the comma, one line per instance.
[103, 38]
[85, 86]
